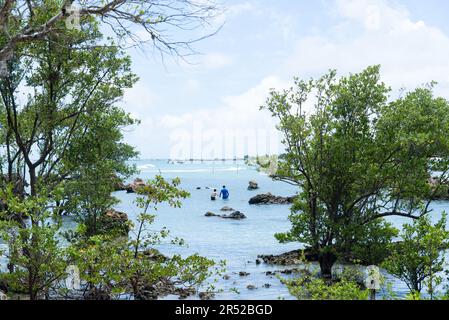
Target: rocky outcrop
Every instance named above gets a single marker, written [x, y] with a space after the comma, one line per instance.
[135, 185]
[268, 198]
[253, 186]
[113, 221]
[290, 258]
[236, 215]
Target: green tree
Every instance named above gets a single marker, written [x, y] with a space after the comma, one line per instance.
[418, 257]
[36, 254]
[356, 158]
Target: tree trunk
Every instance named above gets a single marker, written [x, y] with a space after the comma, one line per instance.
[326, 258]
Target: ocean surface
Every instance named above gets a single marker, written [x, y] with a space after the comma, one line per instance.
[237, 242]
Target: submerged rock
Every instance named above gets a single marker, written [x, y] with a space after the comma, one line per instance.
[268, 198]
[236, 215]
[253, 186]
[251, 287]
[206, 295]
[243, 274]
[227, 209]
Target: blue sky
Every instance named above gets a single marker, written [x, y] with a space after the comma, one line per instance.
[209, 108]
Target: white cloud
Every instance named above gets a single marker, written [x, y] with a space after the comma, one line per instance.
[215, 61]
[235, 127]
[375, 32]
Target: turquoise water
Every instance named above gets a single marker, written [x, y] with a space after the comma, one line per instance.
[237, 242]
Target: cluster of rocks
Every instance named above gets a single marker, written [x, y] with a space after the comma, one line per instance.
[235, 215]
[290, 258]
[268, 198]
[132, 187]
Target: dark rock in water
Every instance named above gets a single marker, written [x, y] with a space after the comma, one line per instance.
[258, 261]
[227, 209]
[226, 277]
[135, 185]
[267, 285]
[268, 198]
[251, 287]
[236, 215]
[243, 274]
[253, 186]
[290, 258]
[184, 293]
[211, 214]
[206, 295]
[198, 188]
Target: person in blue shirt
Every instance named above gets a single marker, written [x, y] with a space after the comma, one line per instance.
[224, 193]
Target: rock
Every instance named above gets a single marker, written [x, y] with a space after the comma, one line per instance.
[3, 296]
[135, 186]
[184, 293]
[118, 184]
[116, 215]
[243, 274]
[199, 188]
[267, 285]
[290, 258]
[113, 221]
[258, 261]
[251, 287]
[226, 277]
[206, 295]
[237, 215]
[211, 214]
[225, 209]
[268, 198]
[253, 186]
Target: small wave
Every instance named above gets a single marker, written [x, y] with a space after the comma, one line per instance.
[146, 166]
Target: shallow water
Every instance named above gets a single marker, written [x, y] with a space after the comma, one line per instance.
[237, 242]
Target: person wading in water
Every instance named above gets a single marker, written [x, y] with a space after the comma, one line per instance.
[224, 193]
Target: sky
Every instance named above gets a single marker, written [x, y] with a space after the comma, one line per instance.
[209, 107]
